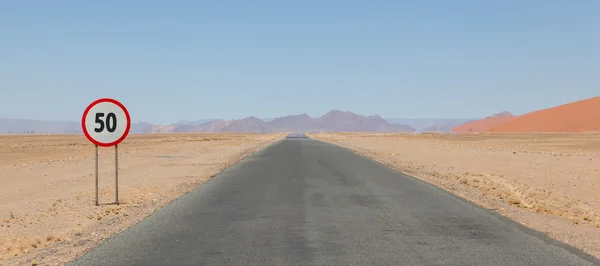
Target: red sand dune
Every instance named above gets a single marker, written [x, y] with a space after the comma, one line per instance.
[483, 125]
[577, 116]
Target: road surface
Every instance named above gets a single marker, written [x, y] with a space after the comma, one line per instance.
[306, 202]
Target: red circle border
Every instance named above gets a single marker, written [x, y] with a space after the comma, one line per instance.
[87, 110]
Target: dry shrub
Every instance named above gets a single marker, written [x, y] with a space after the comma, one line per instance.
[523, 196]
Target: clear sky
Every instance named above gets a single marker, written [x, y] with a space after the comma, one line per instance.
[171, 60]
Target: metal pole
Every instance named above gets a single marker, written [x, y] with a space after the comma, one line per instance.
[97, 176]
[117, 174]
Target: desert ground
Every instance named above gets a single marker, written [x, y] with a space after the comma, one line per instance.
[47, 197]
[548, 182]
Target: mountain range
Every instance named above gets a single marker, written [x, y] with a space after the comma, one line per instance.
[332, 121]
[431, 124]
[579, 116]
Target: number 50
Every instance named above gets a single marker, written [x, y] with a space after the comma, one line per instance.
[111, 122]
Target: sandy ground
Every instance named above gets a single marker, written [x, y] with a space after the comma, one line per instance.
[47, 200]
[548, 182]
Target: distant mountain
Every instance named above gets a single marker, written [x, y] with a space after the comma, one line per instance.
[503, 113]
[248, 124]
[297, 123]
[429, 124]
[141, 128]
[337, 120]
[334, 120]
[166, 129]
[212, 126]
[192, 123]
[202, 121]
[484, 125]
[27, 126]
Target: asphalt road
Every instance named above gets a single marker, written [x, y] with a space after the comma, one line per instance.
[305, 202]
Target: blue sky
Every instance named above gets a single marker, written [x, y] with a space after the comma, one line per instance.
[171, 60]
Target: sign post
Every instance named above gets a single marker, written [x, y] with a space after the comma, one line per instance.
[117, 174]
[106, 123]
[96, 175]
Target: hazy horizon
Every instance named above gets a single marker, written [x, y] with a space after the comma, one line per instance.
[168, 61]
[266, 119]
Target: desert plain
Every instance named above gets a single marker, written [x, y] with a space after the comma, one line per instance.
[549, 182]
[48, 214]
[546, 181]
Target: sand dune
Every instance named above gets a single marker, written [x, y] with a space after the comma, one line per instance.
[577, 116]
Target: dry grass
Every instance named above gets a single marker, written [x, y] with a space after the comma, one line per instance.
[523, 196]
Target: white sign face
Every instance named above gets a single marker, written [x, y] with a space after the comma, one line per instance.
[106, 122]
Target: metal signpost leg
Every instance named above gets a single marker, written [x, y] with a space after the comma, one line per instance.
[117, 174]
[106, 123]
[97, 175]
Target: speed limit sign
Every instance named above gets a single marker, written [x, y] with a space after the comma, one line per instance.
[106, 122]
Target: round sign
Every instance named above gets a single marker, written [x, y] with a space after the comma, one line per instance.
[106, 122]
